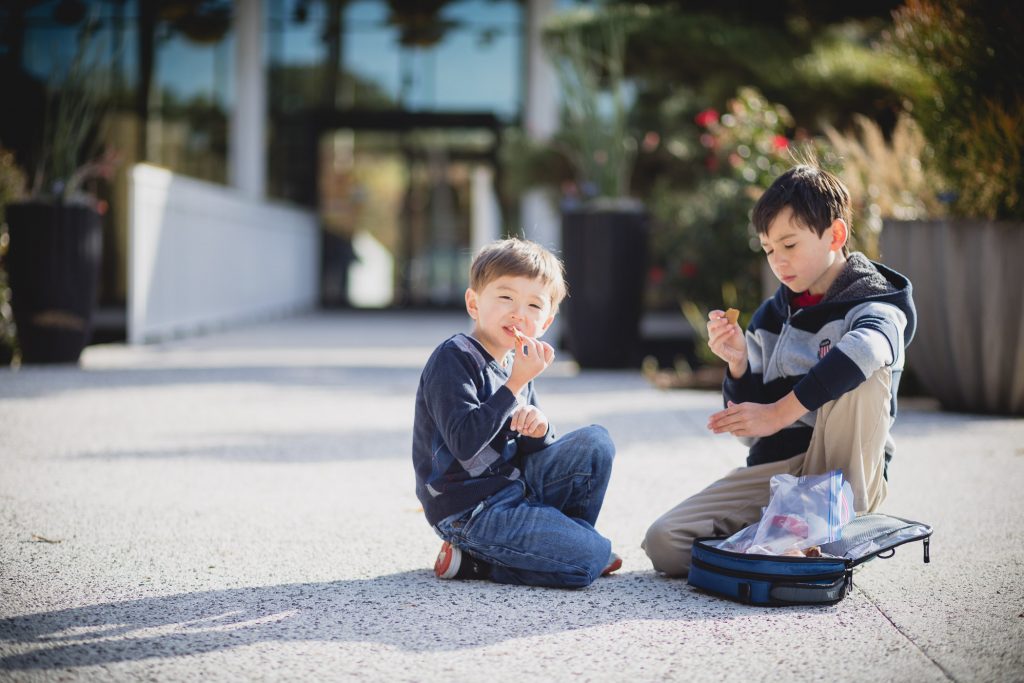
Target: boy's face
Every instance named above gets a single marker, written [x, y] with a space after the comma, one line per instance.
[505, 303]
[801, 259]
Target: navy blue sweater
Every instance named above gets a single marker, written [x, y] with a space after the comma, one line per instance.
[863, 323]
[462, 448]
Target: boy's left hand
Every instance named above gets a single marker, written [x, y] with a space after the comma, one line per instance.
[530, 421]
[746, 419]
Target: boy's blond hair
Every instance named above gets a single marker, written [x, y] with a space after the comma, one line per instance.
[519, 258]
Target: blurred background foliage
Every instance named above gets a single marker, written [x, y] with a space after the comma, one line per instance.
[972, 107]
[916, 105]
[12, 187]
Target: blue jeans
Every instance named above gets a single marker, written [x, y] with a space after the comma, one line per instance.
[539, 530]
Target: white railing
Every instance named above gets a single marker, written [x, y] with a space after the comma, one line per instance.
[203, 256]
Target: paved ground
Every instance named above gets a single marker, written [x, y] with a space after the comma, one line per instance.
[241, 507]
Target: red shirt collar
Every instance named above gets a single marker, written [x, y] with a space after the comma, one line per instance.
[805, 299]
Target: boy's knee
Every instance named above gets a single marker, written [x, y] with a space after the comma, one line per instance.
[874, 393]
[600, 440]
[667, 548]
[591, 563]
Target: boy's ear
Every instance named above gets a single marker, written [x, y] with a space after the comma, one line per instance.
[472, 303]
[840, 233]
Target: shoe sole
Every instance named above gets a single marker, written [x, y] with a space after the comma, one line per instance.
[446, 566]
[614, 566]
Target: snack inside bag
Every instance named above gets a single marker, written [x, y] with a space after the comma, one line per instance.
[802, 513]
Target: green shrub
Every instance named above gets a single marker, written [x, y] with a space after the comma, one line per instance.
[12, 187]
[972, 113]
[709, 255]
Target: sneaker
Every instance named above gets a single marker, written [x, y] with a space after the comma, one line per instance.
[614, 564]
[446, 566]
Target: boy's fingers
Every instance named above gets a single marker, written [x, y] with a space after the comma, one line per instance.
[549, 352]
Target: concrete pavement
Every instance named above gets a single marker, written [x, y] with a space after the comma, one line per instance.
[240, 507]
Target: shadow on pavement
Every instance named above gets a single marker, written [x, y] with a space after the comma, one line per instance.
[410, 611]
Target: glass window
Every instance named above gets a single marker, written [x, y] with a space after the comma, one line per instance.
[394, 189]
[462, 55]
[192, 89]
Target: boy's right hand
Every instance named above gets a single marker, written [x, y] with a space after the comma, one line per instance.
[726, 341]
[532, 358]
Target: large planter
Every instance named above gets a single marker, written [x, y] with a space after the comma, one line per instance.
[53, 264]
[605, 251]
[969, 347]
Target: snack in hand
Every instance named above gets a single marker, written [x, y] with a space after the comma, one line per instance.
[732, 315]
[520, 338]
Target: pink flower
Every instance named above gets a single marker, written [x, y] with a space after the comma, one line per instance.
[651, 140]
[706, 117]
[780, 142]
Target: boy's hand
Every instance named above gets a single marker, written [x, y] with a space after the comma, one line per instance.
[530, 421]
[757, 419]
[532, 358]
[726, 341]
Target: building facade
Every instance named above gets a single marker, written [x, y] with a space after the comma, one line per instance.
[383, 119]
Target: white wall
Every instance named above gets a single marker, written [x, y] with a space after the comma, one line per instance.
[203, 256]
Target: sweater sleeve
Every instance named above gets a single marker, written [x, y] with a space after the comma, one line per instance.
[451, 390]
[874, 340]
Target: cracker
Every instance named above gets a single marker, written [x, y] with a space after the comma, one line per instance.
[732, 315]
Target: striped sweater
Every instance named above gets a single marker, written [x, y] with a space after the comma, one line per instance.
[463, 449]
[864, 323]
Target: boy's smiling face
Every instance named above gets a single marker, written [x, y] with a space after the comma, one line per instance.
[801, 259]
[505, 304]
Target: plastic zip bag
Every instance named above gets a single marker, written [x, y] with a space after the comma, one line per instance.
[802, 512]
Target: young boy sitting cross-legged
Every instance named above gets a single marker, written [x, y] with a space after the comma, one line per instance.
[513, 503]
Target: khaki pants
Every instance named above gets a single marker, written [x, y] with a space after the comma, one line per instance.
[849, 434]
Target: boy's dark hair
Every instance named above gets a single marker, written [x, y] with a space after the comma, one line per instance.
[519, 258]
[816, 197]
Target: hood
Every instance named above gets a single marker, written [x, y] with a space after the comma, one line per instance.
[861, 281]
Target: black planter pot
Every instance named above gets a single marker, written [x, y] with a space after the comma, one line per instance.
[605, 254]
[53, 264]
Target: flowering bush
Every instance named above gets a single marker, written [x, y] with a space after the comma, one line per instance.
[710, 256]
[750, 139]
